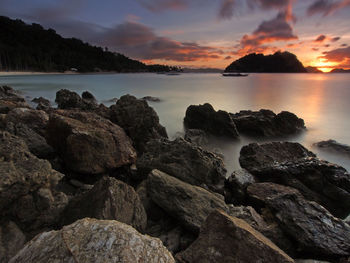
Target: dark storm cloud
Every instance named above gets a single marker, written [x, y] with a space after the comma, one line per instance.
[327, 7]
[139, 41]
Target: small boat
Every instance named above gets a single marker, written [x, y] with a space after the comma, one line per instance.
[234, 74]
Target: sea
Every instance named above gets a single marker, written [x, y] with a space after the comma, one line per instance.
[322, 100]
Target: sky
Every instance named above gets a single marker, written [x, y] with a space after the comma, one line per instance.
[199, 33]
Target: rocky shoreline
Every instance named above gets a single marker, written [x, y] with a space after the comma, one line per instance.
[88, 183]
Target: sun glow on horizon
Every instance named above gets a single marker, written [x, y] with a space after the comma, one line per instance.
[323, 64]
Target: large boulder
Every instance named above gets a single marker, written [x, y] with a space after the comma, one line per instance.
[204, 117]
[10, 99]
[189, 204]
[228, 239]
[67, 99]
[11, 240]
[139, 120]
[94, 241]
[334, 146]
[256, 156]
[265, 123]
[108, 199]
[184, 161]
[312, 227]
[236, 185]
[27, 186]
[88, 143]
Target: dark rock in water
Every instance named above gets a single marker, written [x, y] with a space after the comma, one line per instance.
[151, 99]
[108, 199]
[90, 240]
[184, 161]
[88, 143]
[66, 99]
[229, 239]
[255, 156]
[10, 99]
[334, 146]
[86, 95]
[139, 121]
[196, 136]
[204, 117]
[27, 188]
[236, 186]
[312, 227]
[42, 101]
[11, 240]
[189, 204]
[265, 123]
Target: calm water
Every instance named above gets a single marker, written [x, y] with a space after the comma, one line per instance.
[322, 100]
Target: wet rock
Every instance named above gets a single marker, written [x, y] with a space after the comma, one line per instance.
[196, 136]
[86, 95]
[42, 103]
[88, 143]
[227, 239]
[189, 204]
[312, 227]
[139, 121]
[184, 161]
[256, 156]
[265, 123]
[91, 240]
[10, 99]
[66, 99]
[236, 186]
[334, 146]
[151, 99]
[204, 117]
[11, 240]
[111, 199]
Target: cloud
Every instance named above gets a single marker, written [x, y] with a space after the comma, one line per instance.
[335, 39]
[162, 5]
[139, 41]
[327, 7]
[320, 38]
[227, 9]
[337, 55]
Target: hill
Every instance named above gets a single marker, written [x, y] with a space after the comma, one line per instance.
[310, 69]
[340, 70]
[280, 62]
[26, 47]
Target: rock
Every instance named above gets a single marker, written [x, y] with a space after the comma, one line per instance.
[204, 117]
[265, 123]
[197, 137]
[88, 96]
[10, 99]
[309, 261]
[184, 161]
[11, 240]
[139, 121]
[94, 241]
[151, 99]
[66, 99]
[236, 185]
[311, 226]
[27, 185]
[111, 199]
[188, 204]
[256, 156]
[42, 101]
[88, 143]
[227, 239]
[334, 146]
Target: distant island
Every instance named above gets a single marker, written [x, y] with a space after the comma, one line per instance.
[26, 47]
[340, 70]
[313, 70]
[280, 62]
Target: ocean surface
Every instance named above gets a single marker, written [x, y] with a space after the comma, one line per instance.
[322, 100]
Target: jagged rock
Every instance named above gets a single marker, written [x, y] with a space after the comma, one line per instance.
[227, 239]
[139, 121]
[311, 226]
[27, 185]
[256, 156]
[10, 99]
[66, 99]
[204, 117]
[94, 241]
[152, 99]
[88, 143]
[334, 146]
[265, 123]
[11, 240]
[42, 103]
[196, 136]
[184, 161]
[189, 204]
[236, 185]
[111, 199]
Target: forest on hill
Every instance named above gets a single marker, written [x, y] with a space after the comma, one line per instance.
[25, 47]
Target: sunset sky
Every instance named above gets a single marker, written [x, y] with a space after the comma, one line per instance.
[200, 33]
